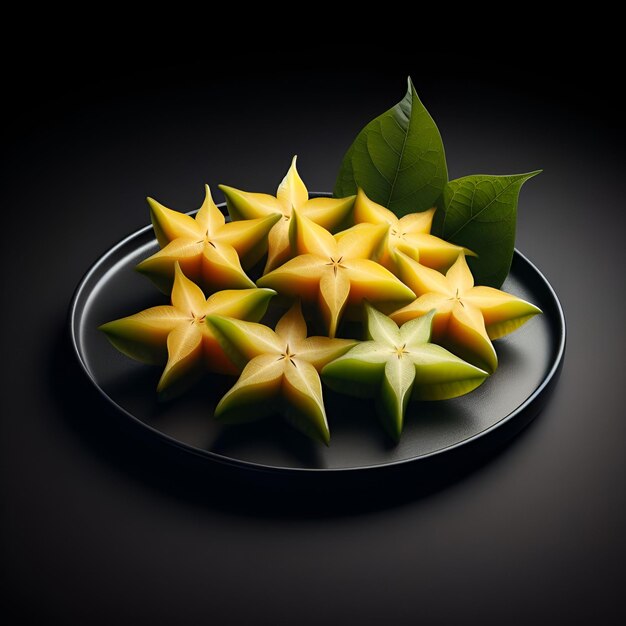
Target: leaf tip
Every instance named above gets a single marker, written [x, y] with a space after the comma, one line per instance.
[530, 175]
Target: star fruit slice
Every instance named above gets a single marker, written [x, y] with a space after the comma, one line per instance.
[335, 273]
[176, 335]
[210, 251]
[467, 317]
[330, 213]
[397, 365]
[410, 234]
[280, 371]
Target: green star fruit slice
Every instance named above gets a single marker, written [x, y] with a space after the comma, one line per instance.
[398, 365]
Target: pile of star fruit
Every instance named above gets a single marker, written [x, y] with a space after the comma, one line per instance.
[427, 329]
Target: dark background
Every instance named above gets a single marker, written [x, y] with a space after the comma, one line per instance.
[98, 528]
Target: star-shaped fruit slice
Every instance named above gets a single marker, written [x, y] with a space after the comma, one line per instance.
[280, 373]
[467, 317]
[292, 194]
[410, 234]
[177, 335]
[335, 272]
[209, 251]
[400, 364]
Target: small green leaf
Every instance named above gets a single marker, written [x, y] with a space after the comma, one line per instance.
[397, 159]
[479, 212]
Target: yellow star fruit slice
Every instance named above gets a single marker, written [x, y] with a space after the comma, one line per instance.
[209, 250]
[335, 272]
[397, 365]
[177, 336]
[410, 234]
[467, 317]
[330, 213]
[280, 373]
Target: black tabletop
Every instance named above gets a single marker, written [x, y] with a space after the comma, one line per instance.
[100, 527]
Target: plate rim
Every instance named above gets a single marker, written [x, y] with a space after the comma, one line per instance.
[214, 457]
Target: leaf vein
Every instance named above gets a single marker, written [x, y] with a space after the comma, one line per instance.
[376, 167]
[406, 136]
[472, 216]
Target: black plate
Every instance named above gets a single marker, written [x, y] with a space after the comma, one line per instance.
[530, 361]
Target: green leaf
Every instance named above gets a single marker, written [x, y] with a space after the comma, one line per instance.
[479, 212]
[397, 159]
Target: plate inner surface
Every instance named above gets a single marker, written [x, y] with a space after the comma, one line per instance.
[114, 289]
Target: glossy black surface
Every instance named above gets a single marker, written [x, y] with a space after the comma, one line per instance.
[101, 526]
[529, 359]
